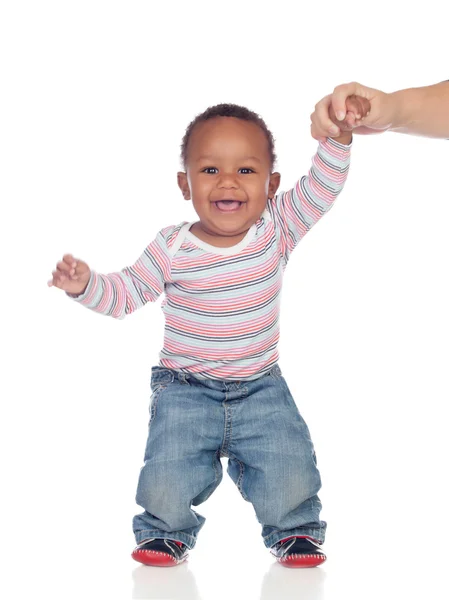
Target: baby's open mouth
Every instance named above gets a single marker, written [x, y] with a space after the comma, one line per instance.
[228, 205]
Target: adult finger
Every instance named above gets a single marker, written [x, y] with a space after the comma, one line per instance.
[315, 135]
[339, 97]
[321, 118]
[341, 92]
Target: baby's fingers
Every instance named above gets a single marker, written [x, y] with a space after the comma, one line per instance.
[364, 112]
[71, 262]
[58, 279]
[354, 105]
[350, 120]
[69, 258]
[67, 269]
[358, 105]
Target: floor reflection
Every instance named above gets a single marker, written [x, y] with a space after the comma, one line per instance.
[178, 583]
[169, 583]
[283, 582]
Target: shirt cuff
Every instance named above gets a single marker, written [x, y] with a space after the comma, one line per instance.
[335, 144]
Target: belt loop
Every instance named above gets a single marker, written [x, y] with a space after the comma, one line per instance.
[276, 371]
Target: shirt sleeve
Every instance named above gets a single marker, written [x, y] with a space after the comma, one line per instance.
[119, 294]
[295, 211]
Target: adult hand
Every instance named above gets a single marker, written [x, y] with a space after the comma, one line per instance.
[332, 109]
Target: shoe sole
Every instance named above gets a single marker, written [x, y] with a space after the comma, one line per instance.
[302, 561]
[152, 558]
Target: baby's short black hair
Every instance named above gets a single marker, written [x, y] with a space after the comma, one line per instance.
[229, 110]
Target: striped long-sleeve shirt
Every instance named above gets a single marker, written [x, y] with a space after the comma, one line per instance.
[222, 305]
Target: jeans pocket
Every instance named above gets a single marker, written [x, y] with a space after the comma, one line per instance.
[154, 399]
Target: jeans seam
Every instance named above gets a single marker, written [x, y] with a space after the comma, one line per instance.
[240, 480]
[228, 421]
[214, 464]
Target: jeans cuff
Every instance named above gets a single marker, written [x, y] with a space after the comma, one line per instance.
[177, 536]
[316, 534]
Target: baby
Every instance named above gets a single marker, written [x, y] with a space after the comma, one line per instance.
[218, 389]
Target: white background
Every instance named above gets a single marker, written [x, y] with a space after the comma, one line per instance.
[95, 100]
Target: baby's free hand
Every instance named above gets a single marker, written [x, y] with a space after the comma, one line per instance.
[325, 122]
[72, 275]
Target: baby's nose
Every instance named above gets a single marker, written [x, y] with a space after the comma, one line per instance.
[228, 180]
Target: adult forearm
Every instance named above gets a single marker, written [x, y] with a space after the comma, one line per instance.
[422, 111]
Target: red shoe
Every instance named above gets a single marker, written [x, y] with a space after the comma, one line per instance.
[298, 552]
[159, 552]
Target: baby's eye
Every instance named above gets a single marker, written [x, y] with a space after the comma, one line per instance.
[207, 169]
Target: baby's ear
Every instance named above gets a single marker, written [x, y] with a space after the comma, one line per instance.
[273, 186]
[184, 185]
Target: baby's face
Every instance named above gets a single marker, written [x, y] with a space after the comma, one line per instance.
[228, 159]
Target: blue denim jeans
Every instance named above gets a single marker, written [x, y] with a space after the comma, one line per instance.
[257, 425]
